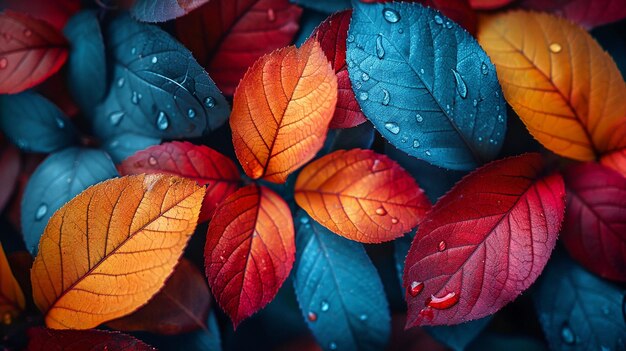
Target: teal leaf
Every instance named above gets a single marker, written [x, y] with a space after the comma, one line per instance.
[121, 146]
[430, 89]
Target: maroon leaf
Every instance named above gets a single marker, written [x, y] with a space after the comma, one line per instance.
[594, 230]
[228, 36]
[200, 163]
[249, 250]
[484, 242]
[55, 12]
[489, 4]
[587, 13]
[31, 51]
[42, 339]
[9, 170]
[182, 306]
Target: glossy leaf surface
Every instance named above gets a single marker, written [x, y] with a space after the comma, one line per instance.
[110, 249]
[484, 242]
[163, 10]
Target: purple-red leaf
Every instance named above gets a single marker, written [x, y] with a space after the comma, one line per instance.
[484, 242]
[594, 230]
[42, 339]
[587, 13]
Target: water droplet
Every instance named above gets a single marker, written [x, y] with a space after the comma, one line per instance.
[114, 143]
[332, 346]
[28, 33]
[480, 138]
[116, 117]
[363, 96]
[7, 319]
[365, 77]
[442, 303]
[152, 161]
[380, 50]
[377, 166]
[350, 38]
[304, 220]
[154, 59]
[381, 211]
[555, 48]
[400, 30]
[324, 306]
[419, 118]
[41, 211]
[392, 127]
[567, 334]
[484, 68]
[385, 97]
[133, 51]
[448, 24]
[438, 19]
[357, 85]
[441, 246]
[191, 113]
[312, 316]
[162, 121]
[415, 288]
[120, 82]
[500, 118]
[497, 94]
[426, 313]
[394, 220]
[363, 317]
[461, 88]
[422, 71]
[271, 16]
[135, 98]
[427, 152]
[403, 139]
[416, 143]
[209, 102]
[391, 16]
[475, 102]
[60, 123]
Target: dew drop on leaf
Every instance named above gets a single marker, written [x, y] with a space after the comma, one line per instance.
[380, 50]
[555, 48]
[381, 211]
[191, 113]
[390, 15]
[7, 319]
[120, 82]
[350, 38]
[385, 97]
[483, 68]
[324, 306]
[116, 117]
[438, 19]
[365, 77]
[394, 220]
[445, 302]
[448, 24]
[135, 98]
[392, 127]
[461, 88]
[271, 15]
[567, 334]
[209, 102]
[60, 123]
[152, 161]
[415, 288]
[475, 102]
[419, 118]
[427, 152]
[363, 317]
[416, 143]
[304, 220]
[41, 211]
[312, 316]
[133, 51]
[441, 246]
[162, 121]
[332, 346]
[427, 313]
[155, 59]
[363, 96]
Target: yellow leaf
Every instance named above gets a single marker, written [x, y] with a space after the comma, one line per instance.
[111, 248]
[11, 296]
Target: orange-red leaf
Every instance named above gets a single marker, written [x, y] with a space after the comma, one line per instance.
[361, 195]
[110, 249]
[31, 51]
[616, 160]
[249, 250]
[198, 162]
[180, 307]
[566, 89]
[281, 111]
[12, 300]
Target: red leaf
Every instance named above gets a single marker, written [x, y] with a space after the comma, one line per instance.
[249, 250]
[42, 339]
[182, 306]
[32, 51]
[484, 242]
[228, 36]
[332, 35]
[200, 163]
[55, 12]
[9, 170]
[594, 230]
[587, 13]
[489, 4]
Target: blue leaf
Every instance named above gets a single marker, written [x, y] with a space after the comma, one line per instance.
[201, 340]
[326, 6]
[359, 137]
[35, 124]
[578, 310]
[162, 10]
[158, 89]
[86, 67]
[308, 23]
[124, 145]
[338, 289]
[426, 84]
[57, 180]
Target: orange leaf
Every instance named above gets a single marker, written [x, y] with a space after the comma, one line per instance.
[281, 111]
[361, 195]
[565, 88]
[181, 306]
[616, 160]
[110, 249]
[12, 300]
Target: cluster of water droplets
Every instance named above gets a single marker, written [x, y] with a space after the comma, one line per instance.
[4, 62]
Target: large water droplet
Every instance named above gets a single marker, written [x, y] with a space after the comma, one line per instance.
[312, 316]
[461, 88]
[419, 118]
[381, 211]
[155, 59]
[416, 143]
[438, 19]
[191, 113]
[41, 211]
[390, 15]
[152, 161]
[394, 220]
[332, 346]
[427, 313]
[380, 50]
[442, 303]
[162, 121]
[427, 152]
[448, 24]
[415, 288]
[392, 127]
[120, 82]
[365, 77]
[386, 97]
[135, 98]
[271, 15]
[484, 68]
[209, 102]
[441, 246]
[555, 48]
[378, 166]
[363, 96]
[567, 334]
[116, 117]
[324, 306]
[28, 33]
[133, 51]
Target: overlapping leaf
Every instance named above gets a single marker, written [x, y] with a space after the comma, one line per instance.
[594, 230]
[157, 89]
[326, 6]
[163, 10]
[587, 13]
[339, 291]
[33, 123]
[12, 300]
[55, 12]
[228, 36]
[10, 166]
[58, 179]
[565, 88]
[200, 163]
[249, 250]
[361, 195]
[616, 160]
[426, 84]
[181, 306]
[32, 51]
[281, 111]
[110, 249]
[484, 242]
[489, 4]
[124, 145]
[42, 339]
